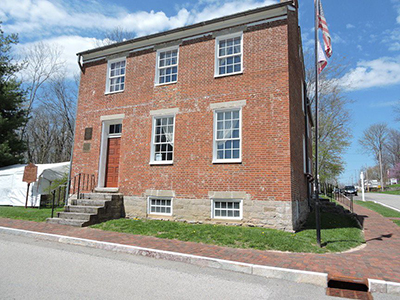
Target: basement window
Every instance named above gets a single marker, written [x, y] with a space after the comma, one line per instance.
[160, 206]
[227, 209]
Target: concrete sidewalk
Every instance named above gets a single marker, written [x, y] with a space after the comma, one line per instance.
[378, 261]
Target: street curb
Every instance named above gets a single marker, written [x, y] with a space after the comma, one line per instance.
[382, 286]
[299, 276]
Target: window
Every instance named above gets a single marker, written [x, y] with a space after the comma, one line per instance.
[167, 66]
[115, 129]
[227, 136]
[116, 76]
[160, 206]
[229, 58]
[226, 209]
[163, 140]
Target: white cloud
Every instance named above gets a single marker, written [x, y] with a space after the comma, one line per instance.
[380, 72]
[385, 103]
[45, 17]
[350, 26]
[64, 23]
[392, 39]
[215, 9]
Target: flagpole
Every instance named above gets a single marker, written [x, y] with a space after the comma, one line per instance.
[316, 187]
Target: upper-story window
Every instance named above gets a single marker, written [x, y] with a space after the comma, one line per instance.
[116, 75]
[162, 143]
[229, 55]
[167, 66]
[227, 136]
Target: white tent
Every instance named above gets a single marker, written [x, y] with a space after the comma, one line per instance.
[13, 189]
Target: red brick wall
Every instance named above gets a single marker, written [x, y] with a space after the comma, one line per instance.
[267, 168]
[297, 114]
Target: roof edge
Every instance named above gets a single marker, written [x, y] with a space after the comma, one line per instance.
[185, 28]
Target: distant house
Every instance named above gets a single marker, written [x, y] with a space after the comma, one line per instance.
[205, 123]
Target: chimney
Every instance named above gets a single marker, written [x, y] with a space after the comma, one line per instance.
[295, 2]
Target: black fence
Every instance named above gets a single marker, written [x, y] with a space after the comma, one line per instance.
[343, 199]
[82, 183]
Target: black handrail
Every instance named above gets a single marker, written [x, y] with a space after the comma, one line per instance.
[57, 194]
[83, 182]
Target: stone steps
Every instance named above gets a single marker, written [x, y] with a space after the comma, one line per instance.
[70, 222]
[93, 208]
[88, 202]
[83, 209]
[75, 216]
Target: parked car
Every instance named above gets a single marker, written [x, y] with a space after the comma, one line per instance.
[350, 190]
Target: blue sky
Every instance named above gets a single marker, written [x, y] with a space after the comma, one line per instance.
[366, 33]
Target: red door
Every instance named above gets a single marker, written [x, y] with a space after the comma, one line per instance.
[112, 166]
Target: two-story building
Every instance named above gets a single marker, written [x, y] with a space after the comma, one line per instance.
[206, 123]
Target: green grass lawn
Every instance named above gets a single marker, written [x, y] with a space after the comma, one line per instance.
[396, 192]
[388, 192]
[380, 209]
[30, 214]
[339, 233]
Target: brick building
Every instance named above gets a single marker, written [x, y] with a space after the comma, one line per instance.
[205, 123]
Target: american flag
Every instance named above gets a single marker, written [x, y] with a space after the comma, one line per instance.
[322, 62]
[325, 31]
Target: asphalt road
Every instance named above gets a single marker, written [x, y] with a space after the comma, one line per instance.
[390, 200]
[37, 269]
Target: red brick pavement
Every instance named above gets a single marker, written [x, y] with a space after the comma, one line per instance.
[379, 259]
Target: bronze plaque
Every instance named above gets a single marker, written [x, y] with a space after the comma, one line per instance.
[86, 147]
[30, 173]
[88, 133]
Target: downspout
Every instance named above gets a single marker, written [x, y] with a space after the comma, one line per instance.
[80, 63]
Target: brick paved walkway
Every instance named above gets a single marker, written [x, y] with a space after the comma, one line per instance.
[379, 259]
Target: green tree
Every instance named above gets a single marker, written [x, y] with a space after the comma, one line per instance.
[334, 132]
[12, 113]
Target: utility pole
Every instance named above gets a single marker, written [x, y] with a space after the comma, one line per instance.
[380, 166]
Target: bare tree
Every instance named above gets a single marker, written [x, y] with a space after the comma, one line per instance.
[43, 63]
[118, 34]
[51, 129]
[393, 147]
[373, 140]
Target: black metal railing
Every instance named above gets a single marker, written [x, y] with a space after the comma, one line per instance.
[57, 197]
[82, 182]
[341, 198]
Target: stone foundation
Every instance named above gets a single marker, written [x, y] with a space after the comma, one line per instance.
[269, 214]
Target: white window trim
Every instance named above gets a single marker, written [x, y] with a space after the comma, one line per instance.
[153, 130]
[216, 61]
[232, 160]
[108, 75]
[157, 78]
[159, 198]
[227, 200]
